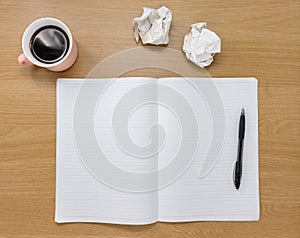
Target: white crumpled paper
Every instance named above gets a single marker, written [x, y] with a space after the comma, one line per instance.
[153, 26]
[201, 44]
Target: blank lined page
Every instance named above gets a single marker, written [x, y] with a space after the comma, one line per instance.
[81, 196]
[193, 197]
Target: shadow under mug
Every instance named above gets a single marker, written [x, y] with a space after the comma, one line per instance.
[27, 57]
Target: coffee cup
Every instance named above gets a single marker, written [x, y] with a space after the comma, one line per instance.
[48, 43]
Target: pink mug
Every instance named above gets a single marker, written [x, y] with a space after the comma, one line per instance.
[29, 58]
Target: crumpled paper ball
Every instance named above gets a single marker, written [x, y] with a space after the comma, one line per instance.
[201, 44]
[153, 26]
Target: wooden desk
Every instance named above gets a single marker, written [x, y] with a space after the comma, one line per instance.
[259, 38]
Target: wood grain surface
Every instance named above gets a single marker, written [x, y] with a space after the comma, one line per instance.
[260, 38]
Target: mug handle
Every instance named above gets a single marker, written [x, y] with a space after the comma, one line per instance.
[23, 60]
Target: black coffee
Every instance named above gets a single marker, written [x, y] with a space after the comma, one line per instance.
[49, 44]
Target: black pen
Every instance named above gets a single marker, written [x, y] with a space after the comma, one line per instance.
[237, 176]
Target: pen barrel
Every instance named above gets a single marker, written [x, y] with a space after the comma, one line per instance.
[240, 151]
[242, 127]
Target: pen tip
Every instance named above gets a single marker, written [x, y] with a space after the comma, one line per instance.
[243, 111]
[237, 185]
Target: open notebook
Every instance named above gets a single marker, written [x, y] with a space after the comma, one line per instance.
[142, 150]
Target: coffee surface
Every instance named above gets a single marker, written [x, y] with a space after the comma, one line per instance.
[49, 44]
